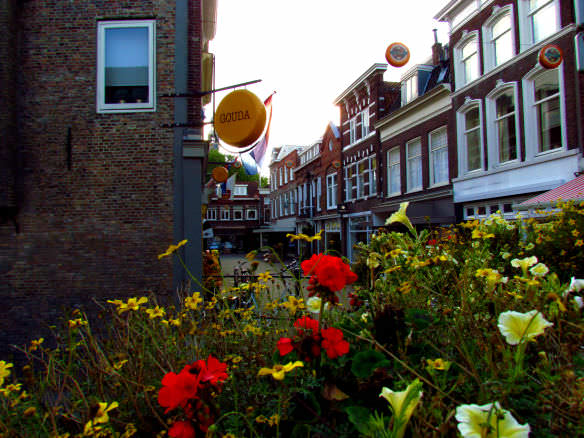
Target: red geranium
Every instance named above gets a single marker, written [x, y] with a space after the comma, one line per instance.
[213, 371]
[329, 271]
[306, 323]
[182, 429]
[285, 346]
[178, 389]
[333, 342]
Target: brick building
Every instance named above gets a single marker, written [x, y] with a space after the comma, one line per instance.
[516, 127]
[93, 186]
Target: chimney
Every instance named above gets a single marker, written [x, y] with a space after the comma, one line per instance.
[437, 52]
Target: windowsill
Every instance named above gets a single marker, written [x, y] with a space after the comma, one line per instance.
[544, 157]
[125, 110]
[440, 184]
[417, 189]
[393, 195]
[358, 141]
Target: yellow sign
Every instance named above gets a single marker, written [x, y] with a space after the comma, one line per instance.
[240, 118]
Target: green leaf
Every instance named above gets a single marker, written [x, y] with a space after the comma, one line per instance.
[365, 362]
[361, 419]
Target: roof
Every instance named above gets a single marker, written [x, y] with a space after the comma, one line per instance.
[370, 71]
[335, 130]
[285, 150]
[571, 191]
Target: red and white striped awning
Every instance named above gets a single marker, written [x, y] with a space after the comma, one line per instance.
[571, 191]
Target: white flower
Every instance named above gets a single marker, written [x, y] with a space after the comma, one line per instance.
[520, 327]
[539, 270]
[403, 403]
[313, 305]
[524, 263]
[579, 302]
[365, 317]
[489, 421]
[576, 285]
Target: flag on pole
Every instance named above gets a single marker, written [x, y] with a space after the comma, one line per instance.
[253, 161]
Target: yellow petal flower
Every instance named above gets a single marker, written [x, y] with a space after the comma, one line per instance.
[279, 371]
[403, 403]
[539, 270]
[4, 370]
[521, 327]
[400, 216]
[488, 421]
[172, 248]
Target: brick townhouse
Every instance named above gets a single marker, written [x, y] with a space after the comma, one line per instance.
[414, 146]
[362, 104]
[516, 127]
[93, 185]
[317, 176]
[235, 215]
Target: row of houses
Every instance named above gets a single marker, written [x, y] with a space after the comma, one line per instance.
[481, 127]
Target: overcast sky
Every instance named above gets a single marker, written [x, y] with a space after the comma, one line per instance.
[310, 51]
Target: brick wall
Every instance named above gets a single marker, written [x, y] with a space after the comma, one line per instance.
[92, 230]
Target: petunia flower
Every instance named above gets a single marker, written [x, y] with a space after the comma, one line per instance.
[539, 270]
[521, 327]
[579, 302]
[279, 371]
[576, 285]
[402, 405]
[524, 263]
[401, 217]
[313, 304]
[489, 421]
[172, 248]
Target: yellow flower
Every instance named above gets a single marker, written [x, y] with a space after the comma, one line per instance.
[405, 287]
[293, 304]
[313, 304]
[4, 370]
[77, 322]
[132, 304]
[521, 327]
[575, 233]
[29, 411]
[438, 364]
[539, 270]
[478, 234]
[293, 237]
[374, 260]
[120, 364]
[524, 263]
[400, 216]
[264, 276]
[579, 242]
[193, 302]
[172, 248]
[488, 421]
[100, 417]
[279, 371]
[403, 404]
[35, 344]
[157, 312]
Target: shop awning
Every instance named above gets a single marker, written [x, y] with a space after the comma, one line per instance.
[570, 191]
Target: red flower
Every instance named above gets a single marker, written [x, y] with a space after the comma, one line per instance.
[178, 389]
[213, 371]
[182, 429]
[285, 346]
[432, 242]
[330, 272]
[333, 342]
[306, 323]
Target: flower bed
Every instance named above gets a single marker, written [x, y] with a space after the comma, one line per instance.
[476, 330]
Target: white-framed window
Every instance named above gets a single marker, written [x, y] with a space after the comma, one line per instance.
[466, 59]
[365, 122]
[299, 197]
[286, 175]
[503, 125]
[352, 130]
[498, 41]
[292, 201]
[331, 191]
[126, 66]
[212, 214]
[438, 154]
[280, 177]
[470, 143]
[538, 19]
[393, 172]
[251, 214]
[545, 128]
[281, 203]
[318, 193]
[291, 174]
[240, 190]
[409, 89]
[414, 164]
[238, 214]
[225, 214]
[372, 176]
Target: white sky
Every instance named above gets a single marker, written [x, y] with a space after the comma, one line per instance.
[310, 51]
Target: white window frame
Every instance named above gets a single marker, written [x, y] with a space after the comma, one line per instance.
[352, 130]
[239, 190]
[432, 151]
[489, 52]
[237, 211]
[492, 121]
[529, 112]
[409, 89]
[365, 123]
[292, 174]
[331, 190]
[251, 214]
[211, 214]
[393, 167]
[225, 214]
[286, 175]
[409, 144]
[149, 106]
[460, 78]
[461, 136]
[526, 35]
[280, 177]
[318, 193]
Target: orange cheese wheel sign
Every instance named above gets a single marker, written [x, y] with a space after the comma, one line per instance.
[220, 174]
[397, 54]
[240, 118]
[550, 56]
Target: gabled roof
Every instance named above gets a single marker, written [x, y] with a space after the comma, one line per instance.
[375, 68]
[285, 150]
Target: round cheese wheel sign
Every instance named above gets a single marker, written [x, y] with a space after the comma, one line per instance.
[397, 54]
[550, 56]
[240, 118]
[220, 174]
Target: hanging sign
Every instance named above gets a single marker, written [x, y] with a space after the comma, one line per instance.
[236, 164]
[550, 56]
[240, 118]
[289, 164]
[220, 174]
[337, 164]
[397, 54]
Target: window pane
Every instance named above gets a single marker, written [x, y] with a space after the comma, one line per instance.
[501, 26]
[126, 65]
[549, 125]
[505, 104]
[473, 151]
[546, 85]
[472, 119]
[543, 22]
[503, 48]
[507, 139]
